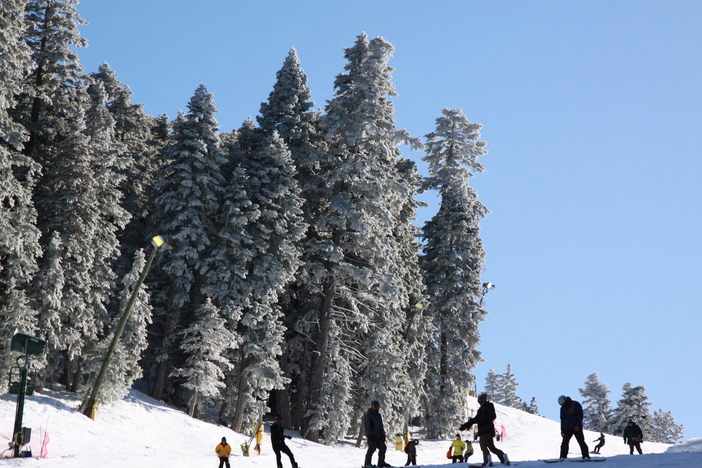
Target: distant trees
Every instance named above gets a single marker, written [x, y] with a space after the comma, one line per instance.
[502, 389]
[596, 404]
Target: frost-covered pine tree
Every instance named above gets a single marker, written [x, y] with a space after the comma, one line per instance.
[596, 404]
[19, 236]
[632, 406]
[203, 344]
[258, 243]
[124, 367]
[186, 201]
[509, 389]
[493, 385]
[664, 429]
[533, 408]
[452, 263]
[48, 302]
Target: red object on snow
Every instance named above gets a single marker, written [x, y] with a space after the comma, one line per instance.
[449, 454]
[44, 452]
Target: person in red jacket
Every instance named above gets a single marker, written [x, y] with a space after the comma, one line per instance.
[485, 419]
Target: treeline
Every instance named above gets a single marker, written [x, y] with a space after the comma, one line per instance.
[293, 280]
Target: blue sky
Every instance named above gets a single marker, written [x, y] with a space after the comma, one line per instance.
[591, 111]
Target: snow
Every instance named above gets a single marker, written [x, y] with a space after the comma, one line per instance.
[140, 432]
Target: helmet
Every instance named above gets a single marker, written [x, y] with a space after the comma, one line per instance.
[483, 397]
[561, 399]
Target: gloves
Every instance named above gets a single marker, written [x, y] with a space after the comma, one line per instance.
[463, 427]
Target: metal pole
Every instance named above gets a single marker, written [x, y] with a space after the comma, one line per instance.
[21, 393]
[89, 404]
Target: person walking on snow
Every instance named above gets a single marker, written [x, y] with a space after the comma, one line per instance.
[485, 419]
[223, 450]
[600, 443]
[278, 442]
[457, 447]
[411, 451]
[572, 425]
[633, 436]
[375, 435]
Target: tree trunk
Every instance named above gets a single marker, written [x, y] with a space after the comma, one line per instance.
[193, 405]
[241, 388]
[321, 359]
[160, 380]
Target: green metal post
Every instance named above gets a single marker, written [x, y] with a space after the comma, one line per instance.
[89, 404]
[21, 393]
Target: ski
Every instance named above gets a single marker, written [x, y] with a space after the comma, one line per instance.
[575, 460]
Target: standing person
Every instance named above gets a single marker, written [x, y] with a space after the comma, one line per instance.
[278, 442]
[600, 443]
[375, 435]
[411, 451]
[572, 425]
[259, 439]
[223, 450]
[485, 419]
[457, 446]
[633, 435]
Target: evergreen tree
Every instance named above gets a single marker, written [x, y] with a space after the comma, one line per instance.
[664, 429]
[19, 236]
[533, 407]
[493, 385]
[259, 244]
[124, 367]
[596, 403]
[452, 263]
[509, 390]
[186, 201]
[48, 302]
[632, 406]
[203, 344]
[353, 259]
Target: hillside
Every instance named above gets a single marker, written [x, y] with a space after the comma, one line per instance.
[142, 432]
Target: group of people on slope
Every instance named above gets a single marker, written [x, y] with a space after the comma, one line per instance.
[571, 426]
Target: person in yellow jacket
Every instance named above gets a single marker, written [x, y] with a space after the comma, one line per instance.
[223, 450]
[259, 439]
[458, 447]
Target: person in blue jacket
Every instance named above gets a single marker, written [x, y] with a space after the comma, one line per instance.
[572, 425]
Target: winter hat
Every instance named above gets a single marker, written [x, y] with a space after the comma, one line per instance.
[561, 399]
[483, 397]
[375, 403]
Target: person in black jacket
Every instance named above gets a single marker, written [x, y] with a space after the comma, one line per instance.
[572, 425]
[600, 443]
[375, 434]
[633, 436]
[278, 442]
[485, 419]
[411, 451]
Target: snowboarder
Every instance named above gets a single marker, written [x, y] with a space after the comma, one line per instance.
[485, 419]
[633, 436]
[411, 451]
[600, 443]
[458, 446]
[223, 450]
[375, 435]
[572, 425]
[278, 442]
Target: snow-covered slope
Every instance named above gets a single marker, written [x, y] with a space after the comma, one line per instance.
[140, 432]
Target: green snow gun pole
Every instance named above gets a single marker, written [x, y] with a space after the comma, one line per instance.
[88, 406]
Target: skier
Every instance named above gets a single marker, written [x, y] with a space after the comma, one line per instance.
[458, 446]
[572, 425]
[278, 442]
[633, 436]
[411, 451]
[375, 435]
[223, 450]
[259, 439]
[485, 418]
[600, 443]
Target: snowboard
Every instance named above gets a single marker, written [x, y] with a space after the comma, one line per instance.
[576, 460]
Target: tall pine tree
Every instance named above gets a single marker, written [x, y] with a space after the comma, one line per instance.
[452, 264]
[632, 406]
[596, 404]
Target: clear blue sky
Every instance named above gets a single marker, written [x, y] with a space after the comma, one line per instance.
[591, 111]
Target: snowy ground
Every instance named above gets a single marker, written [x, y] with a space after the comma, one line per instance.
[140, 432]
